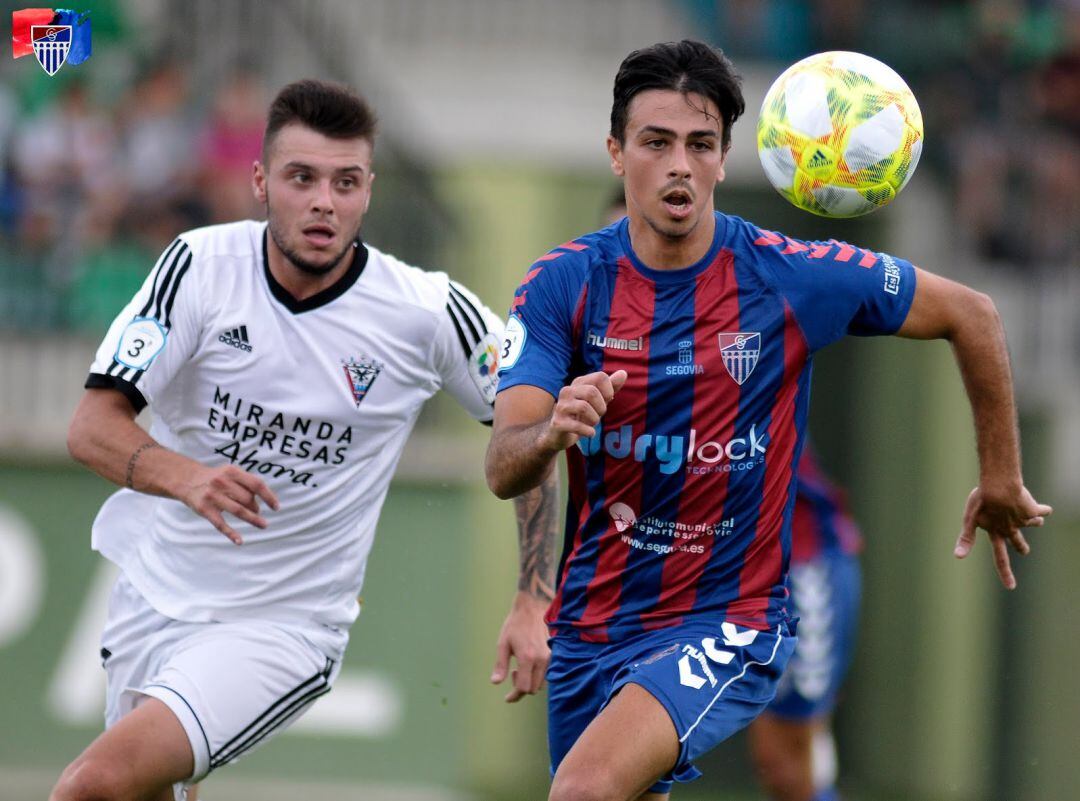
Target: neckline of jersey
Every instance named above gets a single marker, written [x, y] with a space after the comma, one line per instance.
[319, 299]
[682, 273]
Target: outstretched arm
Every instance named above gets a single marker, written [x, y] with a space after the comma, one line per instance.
[104, 436]
[524, 634]
[1001, 504]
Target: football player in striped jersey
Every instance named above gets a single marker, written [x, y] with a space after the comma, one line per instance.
[792, 742]
[669, 356]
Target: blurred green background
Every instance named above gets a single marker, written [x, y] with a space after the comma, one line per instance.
[493, 120]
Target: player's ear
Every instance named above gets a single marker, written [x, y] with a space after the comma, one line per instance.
[370, 185]
[720, 174]
[614, 149]
[258, 181]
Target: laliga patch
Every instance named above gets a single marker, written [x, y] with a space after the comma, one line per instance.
[484, 367]
[513, 341]
[141, 342]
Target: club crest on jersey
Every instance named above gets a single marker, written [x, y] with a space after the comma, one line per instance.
[361, 374]
[51, 45]
[740, 353]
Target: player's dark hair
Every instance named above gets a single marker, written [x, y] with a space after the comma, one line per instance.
[688, 67]
[332, 109]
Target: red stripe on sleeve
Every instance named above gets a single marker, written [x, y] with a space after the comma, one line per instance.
[632, 304]
[716, 405]
[579, 317]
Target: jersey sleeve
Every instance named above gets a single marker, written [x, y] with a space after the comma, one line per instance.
[837, 289]
[154, 335]
[537, 346]
[467, 352]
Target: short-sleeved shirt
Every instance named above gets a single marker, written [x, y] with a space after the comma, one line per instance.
[681, 505]
[316, 397]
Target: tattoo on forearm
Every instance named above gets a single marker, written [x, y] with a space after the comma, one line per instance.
[537, 519]
[128, 482]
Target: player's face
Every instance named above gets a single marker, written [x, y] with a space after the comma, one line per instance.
[316, 190]
[670, 161]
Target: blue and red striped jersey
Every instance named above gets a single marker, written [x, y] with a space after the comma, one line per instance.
[821, 521]
[681, 505]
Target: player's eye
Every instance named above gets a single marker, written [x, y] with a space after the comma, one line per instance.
[655, 144]
[301, 177]
[701, 147]
[347, 183]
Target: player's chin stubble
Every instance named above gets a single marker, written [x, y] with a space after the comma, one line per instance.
[671, 234]
[298, 261]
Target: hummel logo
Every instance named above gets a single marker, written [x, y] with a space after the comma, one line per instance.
[237, 337]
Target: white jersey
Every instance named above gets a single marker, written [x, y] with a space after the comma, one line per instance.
[316, 397]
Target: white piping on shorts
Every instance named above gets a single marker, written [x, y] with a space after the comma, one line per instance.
[725, 685]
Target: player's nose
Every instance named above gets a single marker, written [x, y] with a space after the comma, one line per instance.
[679, 167]
[322, 198]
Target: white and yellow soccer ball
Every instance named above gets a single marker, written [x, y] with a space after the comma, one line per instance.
[839, 134]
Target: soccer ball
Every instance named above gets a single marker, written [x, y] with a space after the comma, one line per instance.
[839, 134]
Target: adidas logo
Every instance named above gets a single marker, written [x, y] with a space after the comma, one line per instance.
[237, 337]
[819, 159]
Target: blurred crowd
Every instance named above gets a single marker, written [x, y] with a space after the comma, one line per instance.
[93, 188]
[96, 179]
[1010, 107]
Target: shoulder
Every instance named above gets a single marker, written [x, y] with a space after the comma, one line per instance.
[764, 246]
[229, 241]
[402, 284]
[571, 265]
[756, 245]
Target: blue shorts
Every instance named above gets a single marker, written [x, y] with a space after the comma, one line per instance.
[825, 597]
[712, 679]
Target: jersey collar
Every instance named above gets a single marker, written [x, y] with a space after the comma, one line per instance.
[331, 293]
[683, 273]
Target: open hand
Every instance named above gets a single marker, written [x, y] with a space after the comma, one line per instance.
[1002, 519]
[212, 491]
[523, 637]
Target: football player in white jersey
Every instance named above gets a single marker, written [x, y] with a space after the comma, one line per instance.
[286, 363]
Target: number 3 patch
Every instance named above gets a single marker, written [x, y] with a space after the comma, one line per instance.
[512, 343]
[142, 340]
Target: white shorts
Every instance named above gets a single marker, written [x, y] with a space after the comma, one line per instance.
[232, 685]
